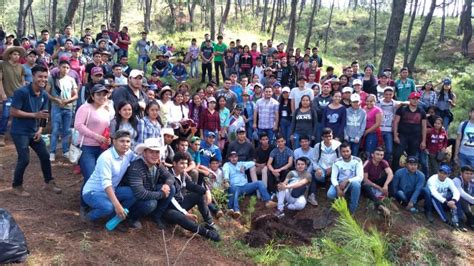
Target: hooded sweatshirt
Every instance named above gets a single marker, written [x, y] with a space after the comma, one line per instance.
[355, 124]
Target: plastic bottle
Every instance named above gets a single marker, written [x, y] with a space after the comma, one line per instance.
[112, 223]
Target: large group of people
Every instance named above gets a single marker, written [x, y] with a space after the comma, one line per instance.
[278, 127]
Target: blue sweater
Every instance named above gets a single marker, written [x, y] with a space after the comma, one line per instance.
[410, 183]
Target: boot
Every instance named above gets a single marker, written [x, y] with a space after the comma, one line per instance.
[2, 140]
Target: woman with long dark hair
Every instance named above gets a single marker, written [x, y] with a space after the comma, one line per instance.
[429, 97]
[150, 125]
[369, 81]
[446, 101]
[125, 120]
[284, 114]
[245, 62]
[304, 122]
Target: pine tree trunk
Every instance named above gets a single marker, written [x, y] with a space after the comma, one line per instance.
[410, 28]
[212, 8]
[423, 9]
[422, 36]
[22, 13]
[466, 27]
[327, 29]
[292, 34]
[311, 21]
[191, 8]
[117, 13]
[147, 15]
[443, 23]
[375, 30]
[302, 5]
[263, 25]
[277, 18]
[393, 34]
[224, 16]
[83, 16]
[272, 16]
[356, 4]
[32, 18]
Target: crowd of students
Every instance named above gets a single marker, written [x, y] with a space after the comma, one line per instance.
[277, 127]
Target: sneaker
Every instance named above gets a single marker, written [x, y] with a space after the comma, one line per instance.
[20, 192]
[429, 216]
[51, 186]
[52, 157]
[280, 214]
[312, 199]
[160, 224]
[385, 211]
[230, 212]
[210, 226]
[135, 224]
[413, 210]
[270, 204]
[213, 235]
[2, 140]
[236, 215]
[219, 214]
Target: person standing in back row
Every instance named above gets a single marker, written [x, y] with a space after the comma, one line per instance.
[219, 50]
[207, 54]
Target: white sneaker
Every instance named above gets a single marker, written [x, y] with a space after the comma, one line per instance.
[66, 155]
[312, 199]
[52, 157]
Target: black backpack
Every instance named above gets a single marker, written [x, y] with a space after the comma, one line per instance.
[13, 247]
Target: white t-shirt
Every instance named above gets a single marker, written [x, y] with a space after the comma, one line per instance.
[467, 142]
[440, 189]
[296, 94]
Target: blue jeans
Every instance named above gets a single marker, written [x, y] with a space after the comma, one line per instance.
[121, 52]
[235, 192]
[101, 206]
[180, 78]
[270, 134]
[388, 142]
[354, 148]
[142, 61]
[61, 119]
[446, 123]
[296, 141]
[22, 145]
[5, 115]
[87, 162]
[319, 132]
[424, 163]
[466, 160]
[425, 194]
[194, 71]
[456, 214]
[285, 129]
[156, 208]
[353, 191]
[370, 143]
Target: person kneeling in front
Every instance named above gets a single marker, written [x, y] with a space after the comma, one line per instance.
[234, 172]
[102, 192]
[151, 183]
[292, 190]
[188, 194]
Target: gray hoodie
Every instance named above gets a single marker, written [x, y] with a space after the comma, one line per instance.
[355, 124]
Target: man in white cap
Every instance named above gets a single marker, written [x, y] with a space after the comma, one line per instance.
[167, 151]
[132, 93]
[151, 183]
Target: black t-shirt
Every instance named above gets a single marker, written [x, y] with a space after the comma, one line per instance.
[245, 150]
[261, 155]
[410, 122]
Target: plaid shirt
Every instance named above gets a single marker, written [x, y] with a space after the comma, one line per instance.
[266, 110]
[146, 129]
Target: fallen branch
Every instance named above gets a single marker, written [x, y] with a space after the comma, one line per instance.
[185, 245]
[166, 248]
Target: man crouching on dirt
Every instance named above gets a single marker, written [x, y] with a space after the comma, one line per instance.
[234, 172]
[292, 190]
[102, 192]
[151, 183]
[188, 194]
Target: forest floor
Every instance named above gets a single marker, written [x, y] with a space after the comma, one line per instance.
[55, 234]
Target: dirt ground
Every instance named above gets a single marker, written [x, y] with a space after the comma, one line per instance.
[56, 235]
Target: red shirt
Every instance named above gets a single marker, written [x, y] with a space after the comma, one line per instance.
[436, 141]
[208, 121]
[125, 37]
[375, 172]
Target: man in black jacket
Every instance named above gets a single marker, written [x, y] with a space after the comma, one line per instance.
[151, 183]
[188, 194]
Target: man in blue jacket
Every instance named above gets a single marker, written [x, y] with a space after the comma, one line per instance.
[409, 187]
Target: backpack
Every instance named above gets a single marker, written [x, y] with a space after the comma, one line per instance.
[321, 150]
[463, 128]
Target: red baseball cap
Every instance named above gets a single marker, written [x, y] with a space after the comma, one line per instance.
[414, 95]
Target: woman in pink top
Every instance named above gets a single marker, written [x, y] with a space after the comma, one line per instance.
[372, 128]
[92, 119]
